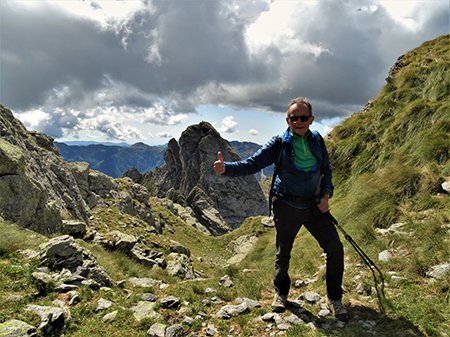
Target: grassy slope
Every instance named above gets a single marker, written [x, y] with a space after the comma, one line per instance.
[388, 163]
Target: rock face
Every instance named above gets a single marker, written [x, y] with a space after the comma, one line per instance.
[41, 192]
[188, 178]
[36, 185]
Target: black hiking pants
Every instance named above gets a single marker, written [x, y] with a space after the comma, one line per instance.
[288, 221]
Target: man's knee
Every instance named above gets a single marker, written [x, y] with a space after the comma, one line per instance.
[335, 248]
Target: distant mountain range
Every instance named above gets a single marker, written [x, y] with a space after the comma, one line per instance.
[87, 142]
[114, 159]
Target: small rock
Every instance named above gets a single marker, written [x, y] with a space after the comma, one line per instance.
[323, 313]
[294, 319]
[284, 326]
[211, 330]
[149, 297]
[439, 271]
[170, 302]
[250, 303]
[172, 331]
[226, 281]
[103, 304]
[17, 328]
[108, 318]
[157, 330]
[14, 298]
[268, 317]
[384, 256]
[311, 296]
[229, 311]
[299, 284]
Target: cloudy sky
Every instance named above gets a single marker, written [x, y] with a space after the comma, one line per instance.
[145, 70]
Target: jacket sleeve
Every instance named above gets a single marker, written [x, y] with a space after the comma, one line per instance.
[264, 157]
[327, 183]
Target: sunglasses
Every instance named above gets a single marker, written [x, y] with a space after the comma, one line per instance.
[296, 118]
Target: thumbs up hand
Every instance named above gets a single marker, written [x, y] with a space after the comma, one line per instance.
[219, 166]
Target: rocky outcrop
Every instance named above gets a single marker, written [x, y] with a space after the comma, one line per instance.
[98, 189]
[134, 174]
[63, 253]
[188, 178]
[37, 189]
[41, 192]
[400, 63]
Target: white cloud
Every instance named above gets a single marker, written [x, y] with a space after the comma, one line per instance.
[327, 129]
[160, 115]
[164, 134]
[33, 118]
[253, 132]
[229, 125]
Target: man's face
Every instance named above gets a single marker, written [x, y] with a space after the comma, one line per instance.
[299, 127]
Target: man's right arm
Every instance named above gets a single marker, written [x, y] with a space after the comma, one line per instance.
[262, 158]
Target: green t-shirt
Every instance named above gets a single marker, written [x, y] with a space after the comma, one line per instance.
[304, 159]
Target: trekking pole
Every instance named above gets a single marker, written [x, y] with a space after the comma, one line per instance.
[366, 260]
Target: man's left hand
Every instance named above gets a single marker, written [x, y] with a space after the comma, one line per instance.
[323, 204]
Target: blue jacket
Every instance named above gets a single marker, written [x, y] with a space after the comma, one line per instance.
[290, 180]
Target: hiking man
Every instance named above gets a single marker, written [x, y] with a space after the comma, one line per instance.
[302, 187]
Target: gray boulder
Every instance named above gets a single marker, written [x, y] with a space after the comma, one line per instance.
[148, 256]
[60, 252]
[144, 309]
[123, 242]
[157, 330]
[64, 253]
[16, 328]
[52, 318]
[241, 247]
[176, 247]
[229, 311]
[180, 265]
[80, 171]
[439, 271]
[75, 228]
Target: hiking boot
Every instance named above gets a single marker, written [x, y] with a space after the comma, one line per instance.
[279, 303]
[337, 309]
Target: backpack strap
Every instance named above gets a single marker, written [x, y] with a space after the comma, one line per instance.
[317, 136]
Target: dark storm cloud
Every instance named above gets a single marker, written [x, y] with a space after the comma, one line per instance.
[169, 57]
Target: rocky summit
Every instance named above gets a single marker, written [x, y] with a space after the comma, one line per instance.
[188, 177]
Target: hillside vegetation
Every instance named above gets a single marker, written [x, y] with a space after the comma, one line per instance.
[389, 163]
[392, 157]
